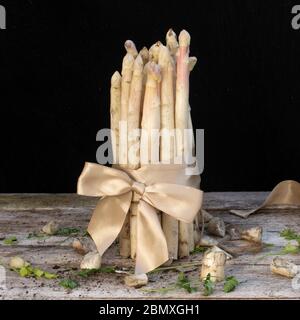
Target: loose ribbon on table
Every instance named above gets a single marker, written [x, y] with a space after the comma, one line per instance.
[285, 194]
[116, 187]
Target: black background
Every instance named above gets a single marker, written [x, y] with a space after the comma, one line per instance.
[57, 58]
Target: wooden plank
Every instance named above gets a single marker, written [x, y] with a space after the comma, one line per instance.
[212, 201]
[22, 214]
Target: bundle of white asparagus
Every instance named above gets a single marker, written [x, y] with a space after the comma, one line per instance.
[152, 94]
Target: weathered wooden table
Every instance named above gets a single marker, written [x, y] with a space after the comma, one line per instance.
[21, 215]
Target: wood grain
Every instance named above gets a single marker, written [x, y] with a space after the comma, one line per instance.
[23, 214]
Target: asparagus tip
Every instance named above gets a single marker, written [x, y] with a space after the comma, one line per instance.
[116, 78]
[192, 63]
[171, 33]
[164, 56]
[129, 44]
[184, 39]
[144, 54]
[138, 64]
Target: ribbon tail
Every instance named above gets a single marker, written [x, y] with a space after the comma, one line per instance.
[180, 202]
[285, 194]
[108, 219]
[152, 249]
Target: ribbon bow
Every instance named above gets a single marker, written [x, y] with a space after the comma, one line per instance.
[116, 188]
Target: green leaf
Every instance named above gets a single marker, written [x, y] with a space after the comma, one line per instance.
[86, 234]
[10, 241]
[67, 232]
[69, 284]
[230, 284]
[290, 234]
[35, 234]
[108, 269]
[48, 275]
[199, 250]
[38, 272]
[184, 283]
[29, 271]
[290, 249]
[268, 245]
[208, 286]
[85, 273]
[24, 272]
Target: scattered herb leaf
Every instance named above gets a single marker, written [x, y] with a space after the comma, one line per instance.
[86, 234]
[208, 286]
[10, 241]
[159, 290]
[69, 284]
[85, 273]
[35, 234]
[49, 276]
[29, 271]
[24, 272]
[289, 248]
[199, 250]
[289, 234]
[38, 272]
[67, 232]
[184, 283]
[268, 245]
[230, 284]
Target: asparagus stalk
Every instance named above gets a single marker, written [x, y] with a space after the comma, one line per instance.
[115, 112]
[169, 224]
[134, 107]
[172, 43]
[144, 53]
[151, 115]
[134, 111]
[154, 52]
[127, 71]
[213, 263]
[131, 48]
[186, 241]
[193, 228]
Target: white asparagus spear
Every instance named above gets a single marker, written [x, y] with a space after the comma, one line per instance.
[213, 263]
[154, 52]
[131, 48]
[127, 70]
[167, 105]
[151, 115]
[172, 43]
[115, 112]
[144, 53]
[169, 224]
[181, 123]
[134, 107]
[134, 111]
[193, 228]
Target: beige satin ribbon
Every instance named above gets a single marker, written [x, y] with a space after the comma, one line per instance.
[116, 188]
[285, 194]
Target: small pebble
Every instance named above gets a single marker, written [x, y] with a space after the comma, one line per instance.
[50, 228]
[17, 263]
[283, 267]
[136, 280]
[91, 260]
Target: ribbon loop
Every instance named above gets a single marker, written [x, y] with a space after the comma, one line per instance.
[117, 188]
